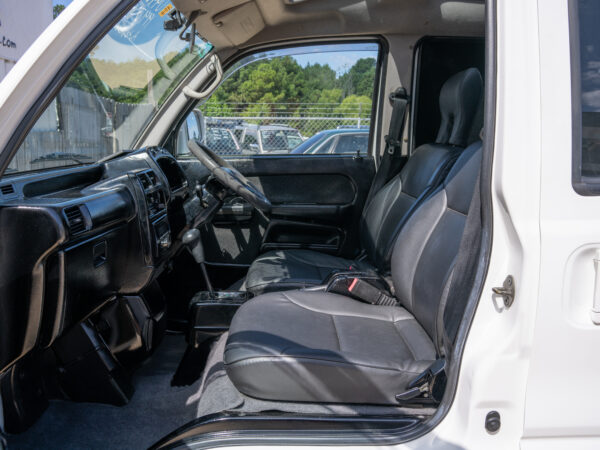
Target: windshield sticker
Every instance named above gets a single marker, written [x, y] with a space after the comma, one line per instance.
[165, 10]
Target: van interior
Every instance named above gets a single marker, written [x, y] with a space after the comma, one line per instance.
[170, 294]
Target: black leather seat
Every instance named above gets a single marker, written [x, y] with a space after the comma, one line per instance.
[389, 209]
[314, 346]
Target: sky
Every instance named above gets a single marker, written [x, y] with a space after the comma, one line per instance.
[61, 2]
[340, 62]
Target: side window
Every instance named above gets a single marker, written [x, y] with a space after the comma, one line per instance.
[325, 147]
[585, 60]
[295, 101]
[352, 143]
[193, 127]
[182, 138]
[250, 143]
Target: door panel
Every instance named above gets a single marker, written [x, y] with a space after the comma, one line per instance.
[318, 189]
[317, 202]
[286, 234]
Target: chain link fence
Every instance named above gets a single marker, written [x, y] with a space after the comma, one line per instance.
[276, 128]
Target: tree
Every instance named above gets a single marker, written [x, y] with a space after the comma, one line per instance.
[306, 90]
[316, 78]
[355, 106]
[57, 10]
[360, 78]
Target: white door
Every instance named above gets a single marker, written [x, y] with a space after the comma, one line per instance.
[562, 405]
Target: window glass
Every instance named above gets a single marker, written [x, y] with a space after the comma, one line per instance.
[192, 127]
[114, 92]
[290, 100]
[221, 138]
[586, 91]
[324, 147]
[352, 143]
[250, 140]
[182, 138]
[279, 141]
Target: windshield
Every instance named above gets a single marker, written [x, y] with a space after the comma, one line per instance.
[280, 139]
[114, 92]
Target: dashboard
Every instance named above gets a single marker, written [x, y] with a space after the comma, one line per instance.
[75, 238]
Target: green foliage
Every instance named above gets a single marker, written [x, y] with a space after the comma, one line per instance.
[218, 109]
[360, 104]
[283, 80]
[360, 78]
[57, 10]
[256, 86]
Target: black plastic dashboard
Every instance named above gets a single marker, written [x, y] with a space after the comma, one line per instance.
[74, 238]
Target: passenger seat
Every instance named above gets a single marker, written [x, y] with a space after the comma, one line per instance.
[390, 208]
[321, 347]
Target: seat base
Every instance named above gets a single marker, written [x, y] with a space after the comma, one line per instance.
[324, 348]
[281, 270]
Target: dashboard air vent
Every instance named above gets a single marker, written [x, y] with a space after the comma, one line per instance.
[148, 179]
[7, 189]
[75, 219]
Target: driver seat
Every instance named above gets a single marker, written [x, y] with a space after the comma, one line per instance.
[389, 209]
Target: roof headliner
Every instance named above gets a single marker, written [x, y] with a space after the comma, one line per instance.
[246, 23]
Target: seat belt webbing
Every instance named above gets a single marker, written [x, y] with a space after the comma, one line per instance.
[393, 141]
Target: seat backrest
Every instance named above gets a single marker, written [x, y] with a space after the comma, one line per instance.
[389, 209]
[427, 246]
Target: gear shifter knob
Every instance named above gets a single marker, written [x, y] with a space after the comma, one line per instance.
[190, 236]
[192, 240]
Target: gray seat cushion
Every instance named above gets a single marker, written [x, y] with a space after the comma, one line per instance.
[293, 269]
[323, 347]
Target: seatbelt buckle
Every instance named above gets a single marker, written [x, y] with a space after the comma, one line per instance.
[428, 386]
[365, 291]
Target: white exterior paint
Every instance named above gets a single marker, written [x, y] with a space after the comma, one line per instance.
[21, 22]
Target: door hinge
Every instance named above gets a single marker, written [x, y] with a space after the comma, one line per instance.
[507, 291]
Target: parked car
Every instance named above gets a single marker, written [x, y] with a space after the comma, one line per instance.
[268, 138]
[217, 135]
[222, 141]
[338, 141]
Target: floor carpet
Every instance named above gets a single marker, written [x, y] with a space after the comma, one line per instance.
[155, 410]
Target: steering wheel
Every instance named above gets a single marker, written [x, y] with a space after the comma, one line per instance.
[230, 177]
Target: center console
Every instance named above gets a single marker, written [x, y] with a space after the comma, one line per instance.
[156, 200]
[210, 314]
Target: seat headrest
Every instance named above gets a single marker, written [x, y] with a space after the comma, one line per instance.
[459, 99]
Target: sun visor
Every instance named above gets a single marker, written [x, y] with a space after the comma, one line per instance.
[240, 23]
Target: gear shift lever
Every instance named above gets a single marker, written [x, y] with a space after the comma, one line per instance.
[192, 240]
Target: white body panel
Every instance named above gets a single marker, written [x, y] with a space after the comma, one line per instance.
[561, 397]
